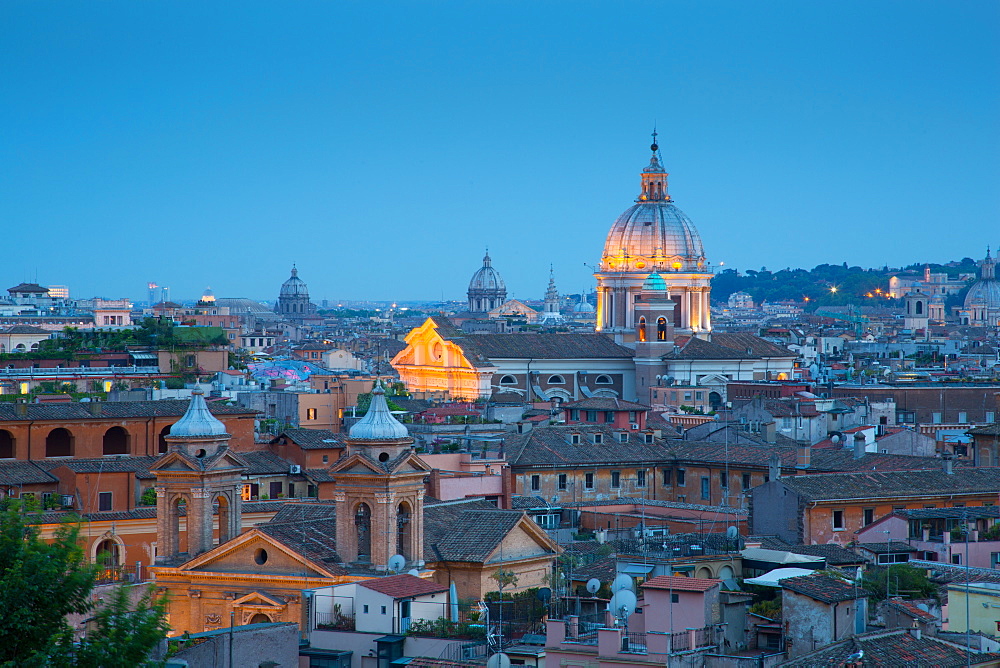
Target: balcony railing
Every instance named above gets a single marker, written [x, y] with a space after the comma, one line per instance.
[334, 621]
[634, 643]
[79, 371]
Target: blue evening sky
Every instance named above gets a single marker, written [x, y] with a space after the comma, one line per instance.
[382, 146]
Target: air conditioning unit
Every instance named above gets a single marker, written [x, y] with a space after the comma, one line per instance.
[294, 469]
[634, 426]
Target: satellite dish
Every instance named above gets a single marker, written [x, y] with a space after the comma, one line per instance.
[623, 603]
[414, 572]
[544, 594]
[622, 581]
[396, 563]
[498, 660]
[732, 533]
[593, 584]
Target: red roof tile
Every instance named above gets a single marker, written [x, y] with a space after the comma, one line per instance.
[402, 586]
[681, 583]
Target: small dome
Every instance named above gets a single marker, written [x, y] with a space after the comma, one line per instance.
[378, 424]
[198, 420]
[654, 283]
[487, 278]
[583, 307]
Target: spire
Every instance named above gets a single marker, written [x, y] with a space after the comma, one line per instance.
[198, 420]
[654, 177]
[378, 424]
[988, 270]
[295, 271]
[487, 262]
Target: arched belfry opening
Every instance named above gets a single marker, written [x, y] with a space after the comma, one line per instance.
[363, 531]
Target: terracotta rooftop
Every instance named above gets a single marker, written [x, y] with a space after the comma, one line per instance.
[681, 583]
[893, 648]
[402, 586]
[823, 588]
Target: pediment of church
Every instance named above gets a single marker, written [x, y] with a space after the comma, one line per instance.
[356, 463]
[249, 553]
[425, 347]
[174, 461]
[412, 463]
[259, 599]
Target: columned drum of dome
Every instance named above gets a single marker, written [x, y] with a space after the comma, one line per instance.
[653, 235]
[486, 289]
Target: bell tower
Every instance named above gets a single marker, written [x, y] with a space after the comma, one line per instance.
[653, 314]
[197, 473]
[379, 491]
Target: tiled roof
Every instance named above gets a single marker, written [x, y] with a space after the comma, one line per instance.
[910, 608]
[757, 346]
[681, 583]
[823, 588]
[606, 404]
[310, 529]
[116, 464]
[528, 502]
[312, 439]
[891, 547]
[986, 430]
[891, 648]
[693, 348]
[264, 462]
[319, 475]
[967, 512]
[24, 329]
[24, 473]
[602, 569]
[465, 530]
[876, 485]
[402, 586]
[110, 410]
[835, 555]
[544, 345]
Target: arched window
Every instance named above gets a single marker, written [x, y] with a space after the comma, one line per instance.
[162, 441]
[403, 517]
[363, 526]
[603, 380]
[556, 380]
[7, 450]
[224, 518]
[508, 380]
[920, 308]
[661, 329]
[260, 618]
[59, 443]
[116, 441]
[642, 328]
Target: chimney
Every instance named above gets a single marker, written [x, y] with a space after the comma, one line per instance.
[948, 464]
[915, 630]
[859, 445]
[95, 407]
[21, 409]
[803, 459]
[773, 467]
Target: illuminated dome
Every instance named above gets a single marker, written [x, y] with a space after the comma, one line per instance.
[653, 234]
[486, 289]
[293, 299]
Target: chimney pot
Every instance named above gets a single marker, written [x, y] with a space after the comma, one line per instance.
[948, 464]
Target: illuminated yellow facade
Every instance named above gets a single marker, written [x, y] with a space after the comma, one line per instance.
[431, 363]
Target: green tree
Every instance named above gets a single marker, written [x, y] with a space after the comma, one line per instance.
[904, 581]
[41, 582]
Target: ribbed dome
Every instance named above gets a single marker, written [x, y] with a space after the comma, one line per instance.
[487, 278]
[985, 291]
[583, 307]
[294, 287]
[378, 424]
[198, 420]
[654, 283]
[653, 235]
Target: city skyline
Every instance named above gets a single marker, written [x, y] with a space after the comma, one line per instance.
[382, 154]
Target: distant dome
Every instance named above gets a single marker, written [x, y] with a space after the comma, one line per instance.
[378, 424]
[487, 278]
[294, 287]
[208, 296]
[198, 420]
[583, 307]
[985, 291]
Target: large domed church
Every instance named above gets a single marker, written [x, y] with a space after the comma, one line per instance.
[982, 302]
[653, 235]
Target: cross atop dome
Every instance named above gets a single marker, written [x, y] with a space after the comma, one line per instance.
[654, 177]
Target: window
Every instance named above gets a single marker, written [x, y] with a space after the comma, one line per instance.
[838, 520]
[680, 477]
[990, 416]
[104, 501]
[869, 516]
[666, 476]
[616, 480]
[556, 380]
[699, 396]
[963, 417]
[311, 413]
[746, 481]
[661, 329]
[675, 598]
[936, 418]
[598, 439]
[603, 380]
[706, 491]
[623, 437]
[365, 609]
[276, 489]
[588, 481]
[383, 609]
[575, 439]
[536, 483]
[326, 459]
[508, 380]
[591, 416]
[562, 481]
[574, 414]
[609, 416]
[648, 437]
[723, 480]
[640, 478]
